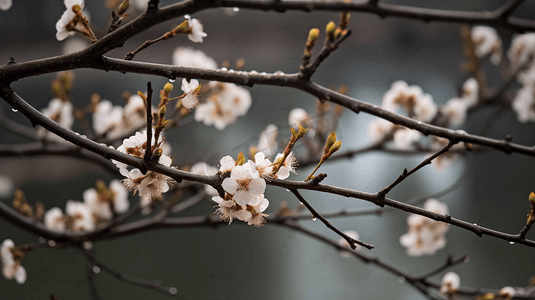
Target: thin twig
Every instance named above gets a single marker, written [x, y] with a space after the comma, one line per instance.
[148, 107]
[382, 193]
[155, 285]
[450, 262]
[349, 239]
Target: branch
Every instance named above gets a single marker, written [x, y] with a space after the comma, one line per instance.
[405, 174]
[155, 285]
[349, 239]
[508, 8]
[383, 10]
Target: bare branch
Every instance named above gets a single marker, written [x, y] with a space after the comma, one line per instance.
[349, 239]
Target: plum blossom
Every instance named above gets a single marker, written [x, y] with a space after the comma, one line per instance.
[67, 19]
[244, 183]
[60, 112]
[227, 163]
[151, 185]
[287, 167]
[343, 242]
[450, 284]
[487, 42]
[103, 201]
[11, 262]
[188, 57]
[106, 117]
[522, 50]
[425, 236]
[224, 105]
[191, 91]
[524, 104]
[55, 220]
[203, 168]
[5, 4]
[404, 138]
[267, 143]
[455, 111]
[378, 130]
[195, 29]
[79, 215]
[263, 165]
[252, 213]
[298, 116]
[412, 99]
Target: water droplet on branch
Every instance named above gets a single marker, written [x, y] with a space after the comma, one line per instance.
[236, 9]
[96, 269]
[14, 110]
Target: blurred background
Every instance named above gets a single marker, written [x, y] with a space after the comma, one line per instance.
[243, 262]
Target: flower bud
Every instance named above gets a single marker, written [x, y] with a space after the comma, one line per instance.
[124, 6]
[167, 88]
[331, 27]
[338, 32]
[240, 160]
[181, 28]
[335, 147]
[532, 199]
[330, 142]
[76, 8]
[313, 34]
[163, 110]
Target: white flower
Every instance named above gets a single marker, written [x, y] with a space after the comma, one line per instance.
[80, 216]
[470, 92]
[378, 129]
[61, 26]
[224, 106]
[190, 99]
[196, 31]
[257, 218]
[153, 186]
[524, 104]
[244, 183]
[227, 163]
[487, 42]
[298, 116]
[106, 117]
[267, 142]
[425, 109]
[404, 138]
[11, 262]
[507, 292]
[225, 209]
[425, 235]
[203, 168]
[450, 284]
[342, 242]
[120, 197]
[522, 50]
[455, 111]
[60, 112]
[6, 186]
[74, 45]
[54, 220]
[289, 165]
[188, 57]
[100, 209]
[263, 165]
[5, 4]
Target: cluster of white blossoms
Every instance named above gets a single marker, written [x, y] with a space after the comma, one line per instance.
[425, 235]
[61, 112]
[5, 4]
[343, 242]
[414, 102]
[487, 43]
[188, 57]
[151, 185]
[450, 284]
[224, 105]
[11, 262]
[521, 55]
[98, 207]
[244, 189]
[456, 108]
[116, 121]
